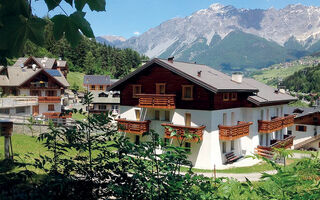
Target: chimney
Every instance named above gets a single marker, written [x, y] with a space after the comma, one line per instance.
[199, 73]
[237, 77]
[170, 59]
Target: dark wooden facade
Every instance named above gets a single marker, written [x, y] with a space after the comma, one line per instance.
[203, 99]
[310, 119]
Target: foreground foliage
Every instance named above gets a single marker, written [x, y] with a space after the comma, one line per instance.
[92, 160]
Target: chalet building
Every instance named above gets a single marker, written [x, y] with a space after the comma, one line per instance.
[306, 129]
[32, 88]
[46, 63]
[97, 82]
[105, 102]
[233, 116]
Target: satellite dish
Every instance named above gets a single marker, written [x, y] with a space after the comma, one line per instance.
[22, 65]
[34, 67]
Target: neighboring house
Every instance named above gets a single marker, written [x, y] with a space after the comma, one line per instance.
[105, 102]
[231, 115]
[46, 63]
[32, 89]
[97, 82]
[306, 128]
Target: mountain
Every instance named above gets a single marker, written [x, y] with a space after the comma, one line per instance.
[234, 39]
[111, 40]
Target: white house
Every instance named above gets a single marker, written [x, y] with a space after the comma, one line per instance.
[233, 116]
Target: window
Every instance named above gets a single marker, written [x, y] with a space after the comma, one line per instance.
[267, 139]
[234, 96]
[101, 87]
[93, 87]
[187, 145]
[50, 107]
[224, 147]
[20, 110]
[102, 107]
[51, 93]
[137, 115]
[160, 88]
[187, 92]
[136, 89]
[260, 139]
[188, 119]
[5, 111]
[232, 145]
[289, 132]
[102, 94]
[137, 140]
[35, 93]
[116, 95]
[225, 96]
[301, 128]
[166, 115]
[157, 114]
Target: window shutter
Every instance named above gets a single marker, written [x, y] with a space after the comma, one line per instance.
[297, 128]
[305, 128]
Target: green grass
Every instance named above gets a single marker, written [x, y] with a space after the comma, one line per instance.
[299, 104]
[267, 76]
[78, 116]
[76, 78]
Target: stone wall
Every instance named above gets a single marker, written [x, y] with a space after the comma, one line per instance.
[37, 129]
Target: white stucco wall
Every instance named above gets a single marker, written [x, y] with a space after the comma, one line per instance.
[43, 107]
[301, 136]
[208, 152]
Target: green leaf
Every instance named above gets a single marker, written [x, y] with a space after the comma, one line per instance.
[52, 4]
[80, 4]
[59, 26]
[35, 30]
[78, 19]
[97, 5]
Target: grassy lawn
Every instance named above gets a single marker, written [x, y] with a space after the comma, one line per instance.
[78, 116]
[76, 78]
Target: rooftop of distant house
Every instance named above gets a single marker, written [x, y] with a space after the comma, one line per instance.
[98, 80]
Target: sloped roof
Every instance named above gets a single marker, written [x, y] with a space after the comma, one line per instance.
[303, 111]
[266, 93]
[17, 76]
[210, 79]
[107, 100]
[215, 81]
[96, 80]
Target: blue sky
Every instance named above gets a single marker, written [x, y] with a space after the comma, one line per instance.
[132, 17]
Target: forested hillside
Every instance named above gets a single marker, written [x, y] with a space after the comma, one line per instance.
[306, 80]
[88, 57]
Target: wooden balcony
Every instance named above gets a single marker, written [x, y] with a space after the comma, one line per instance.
[48, 99]
[234, 132]
[275, 124]
[135, 127]
[267, 151]
[56, 115]
[181, 130]
[162, 101]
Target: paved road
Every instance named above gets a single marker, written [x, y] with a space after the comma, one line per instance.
[240, 177]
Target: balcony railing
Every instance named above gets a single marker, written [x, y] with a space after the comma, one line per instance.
[267, 151]
[275, 124]
[196, 131]
[13, 101]
[135, 127]
[48, 99]
[56, 115]
[165, 101]
[234, 132]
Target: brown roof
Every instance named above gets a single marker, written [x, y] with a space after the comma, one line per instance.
[215, 81]
[43, 62]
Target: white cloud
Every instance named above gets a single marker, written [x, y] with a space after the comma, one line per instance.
[136, 33]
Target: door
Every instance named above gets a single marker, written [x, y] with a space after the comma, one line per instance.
[137, 115]
[160, 88]
[35, 110]
[188, 119]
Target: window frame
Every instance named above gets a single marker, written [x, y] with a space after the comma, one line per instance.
[167, 115]
[187, 146]
[134, 94]
[226, 96]
[184, 93]
[157, 116]
[100, 87]
[234, 98]
[224, 147]
[158, 88]
[50, 107]
[92, 87]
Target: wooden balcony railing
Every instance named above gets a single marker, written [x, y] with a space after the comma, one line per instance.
[165, 101]
[234, 132]
[275, 124]
[197, 131]
[56, 115]
[135, 127]
[267, 151]
[48, 99]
